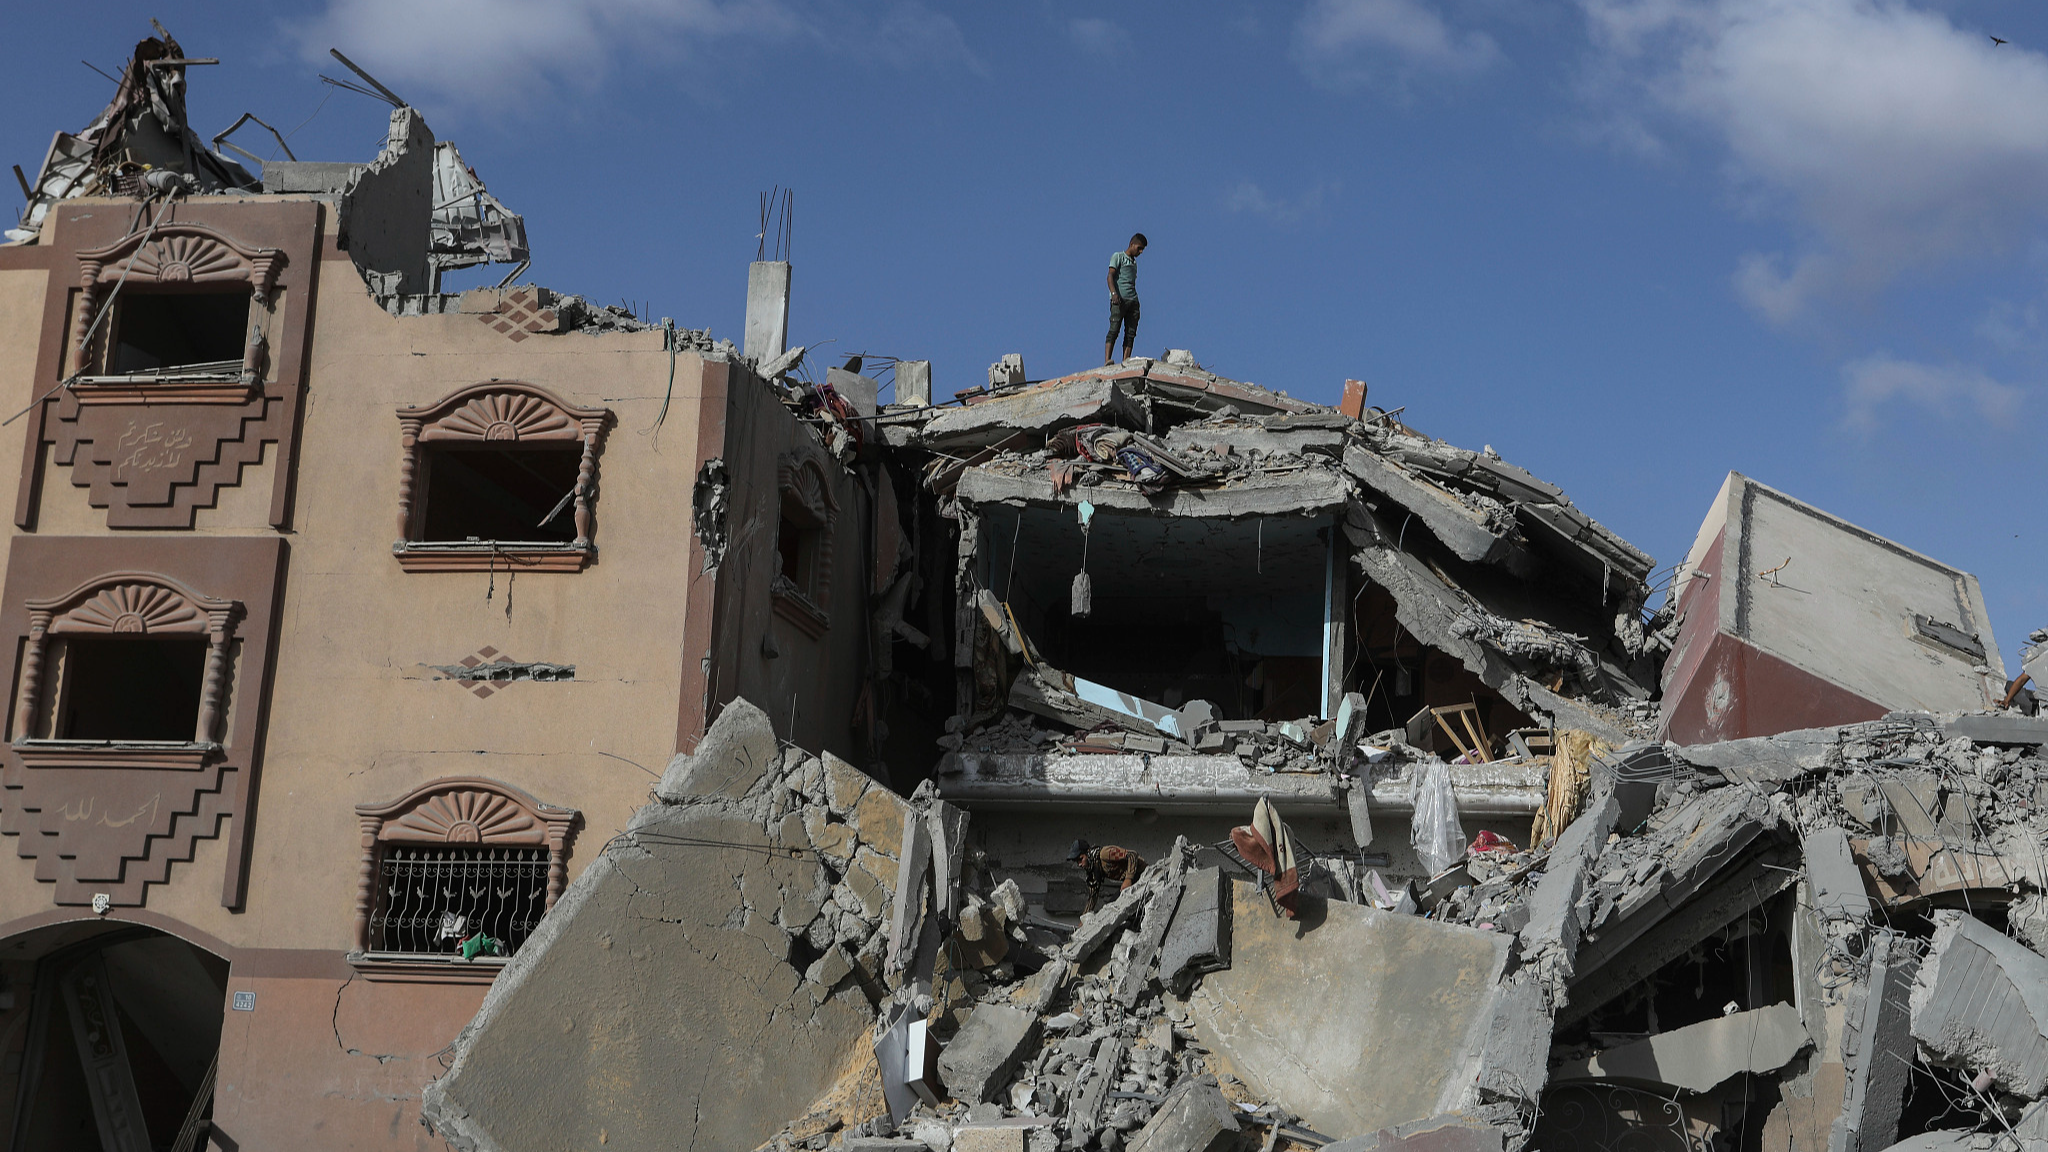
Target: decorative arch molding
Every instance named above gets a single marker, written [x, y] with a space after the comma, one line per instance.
[462, 810]
[132, 604]
[181, 253]
[497, 412]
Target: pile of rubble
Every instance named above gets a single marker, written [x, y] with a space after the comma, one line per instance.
[1823, 939]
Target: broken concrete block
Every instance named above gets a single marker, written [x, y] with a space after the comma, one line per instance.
[831, 968]
[1553, 932]
[1765, 759]
[947, 826]
[1877, 1050]
[980, 937]
[975, 1138]
[1915, 801]
[583, 1028]
[1837, 882]
[1084, 400]
[914, 382]
[1269, 1015]
[882, 1144]
[1199, 939]
[1514, 1062]
[1085, 1113]
[906, 915]
[1358, 804]
[1447, 1133]
[732, 757]
[1098, 926]
[1699, 1057]
[985, 1051]
[844, 785]
[1981, 1002]
[1158, 915]
[1009, 898]
[1194, 1117]
[878, 817]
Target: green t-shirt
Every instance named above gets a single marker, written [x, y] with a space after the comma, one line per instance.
[1126, 270]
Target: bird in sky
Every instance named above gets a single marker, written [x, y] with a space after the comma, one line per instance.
[1996, 40]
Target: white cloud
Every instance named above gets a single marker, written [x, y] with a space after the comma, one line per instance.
[1891, 138]
[1948, 391]
[478, 53]
[1248, 197]
[1100, 37]
[1339, 43]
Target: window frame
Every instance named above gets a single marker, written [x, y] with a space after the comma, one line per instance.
[175, 257]
[457, 810]
[805, 499]
[116, 604]
[496, 413]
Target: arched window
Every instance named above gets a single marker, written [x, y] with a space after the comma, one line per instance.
[498, 475]
[461, 865]
[130, 668]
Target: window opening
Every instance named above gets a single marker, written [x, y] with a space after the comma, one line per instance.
[121, 688]
[507, 494]
[432, 899]
[185, 330]
[797, 545]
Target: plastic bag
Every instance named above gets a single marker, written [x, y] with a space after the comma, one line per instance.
[1434, 831]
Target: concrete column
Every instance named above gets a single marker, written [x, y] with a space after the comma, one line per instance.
[767, 309]
[914, 382]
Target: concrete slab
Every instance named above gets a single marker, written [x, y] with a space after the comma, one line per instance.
[985, 1051]
[1044, 409]
[1837, 882]
[585, 1030]
[1699, 1057]
[1199, 939]
[738, 750]
[1194, 1117]
[1353, 1018]
[1981, 1002]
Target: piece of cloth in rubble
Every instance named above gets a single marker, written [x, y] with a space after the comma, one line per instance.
[1062, 473]
[1267, 845]
[1073, 441]
[1109, 862]
[1571, 773]
[1434, 831]
[1103, 443]
[1143, 470]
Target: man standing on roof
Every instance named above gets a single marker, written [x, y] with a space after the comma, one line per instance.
[1123, 297]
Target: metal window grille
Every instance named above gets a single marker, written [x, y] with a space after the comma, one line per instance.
[431, 899]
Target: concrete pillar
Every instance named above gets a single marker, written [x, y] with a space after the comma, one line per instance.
[914, 382]
[767, 309]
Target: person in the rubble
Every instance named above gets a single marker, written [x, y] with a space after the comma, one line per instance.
[1101, 865]
[1123, 297]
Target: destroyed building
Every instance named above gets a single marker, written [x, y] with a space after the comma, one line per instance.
[491, 720]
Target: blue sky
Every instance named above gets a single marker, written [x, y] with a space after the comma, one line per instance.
[1632, 244]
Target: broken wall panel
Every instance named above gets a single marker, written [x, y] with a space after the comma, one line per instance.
[680, 991]
[1792, 618]
[1417, 997]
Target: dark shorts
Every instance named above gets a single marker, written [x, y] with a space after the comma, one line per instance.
[1123, 314]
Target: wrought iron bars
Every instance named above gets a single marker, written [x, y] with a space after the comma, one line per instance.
[431, 898]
